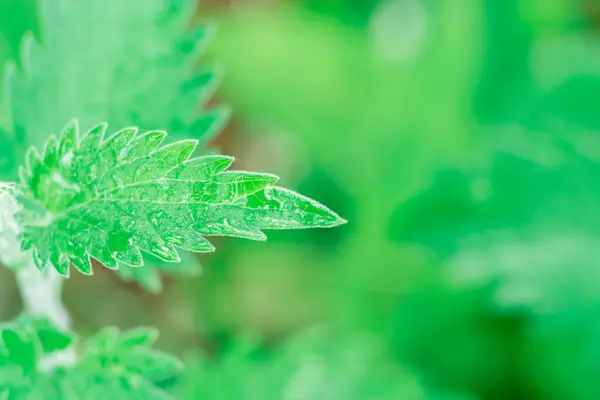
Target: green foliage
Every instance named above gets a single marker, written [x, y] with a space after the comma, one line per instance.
[16, 18]
[128, 63]
[149, 277]
[311, 366]
[24, 344]
[110, 197]
[122, 365]
[112, 364]
[480, 270]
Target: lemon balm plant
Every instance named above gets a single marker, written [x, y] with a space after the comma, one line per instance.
[119, 195]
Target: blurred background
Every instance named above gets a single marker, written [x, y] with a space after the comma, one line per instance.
[459, 138]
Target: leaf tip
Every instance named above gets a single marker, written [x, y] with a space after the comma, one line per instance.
[339, 221]
[72, 124]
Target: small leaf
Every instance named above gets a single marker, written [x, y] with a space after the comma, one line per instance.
[147, 277]
[102, 341]
[20, 350]
[142, 336]
[51, 338]
[114, 198]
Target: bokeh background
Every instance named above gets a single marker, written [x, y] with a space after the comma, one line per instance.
[459, 138]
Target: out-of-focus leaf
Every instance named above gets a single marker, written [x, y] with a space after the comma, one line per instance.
[24, 342]
[149, 277]
[127, 63]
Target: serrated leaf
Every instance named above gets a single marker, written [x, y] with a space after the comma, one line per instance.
[107, 71]
[112, 197]
[128, 63]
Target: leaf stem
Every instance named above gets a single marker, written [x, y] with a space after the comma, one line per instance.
[41, 295]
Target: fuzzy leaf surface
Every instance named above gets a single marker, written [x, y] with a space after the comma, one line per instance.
[111, 197]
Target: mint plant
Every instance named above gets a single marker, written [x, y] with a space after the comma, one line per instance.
[131, 199]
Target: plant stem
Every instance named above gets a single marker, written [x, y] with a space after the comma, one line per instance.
[41, 294]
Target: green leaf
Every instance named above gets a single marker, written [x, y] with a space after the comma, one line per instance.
[149, 276]
[127, 63]
[33, 338]
[107, 71]
[20, 350]
[110, 197]
[24, 342]
[114, 364]
[51, 338]
[124, 364]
